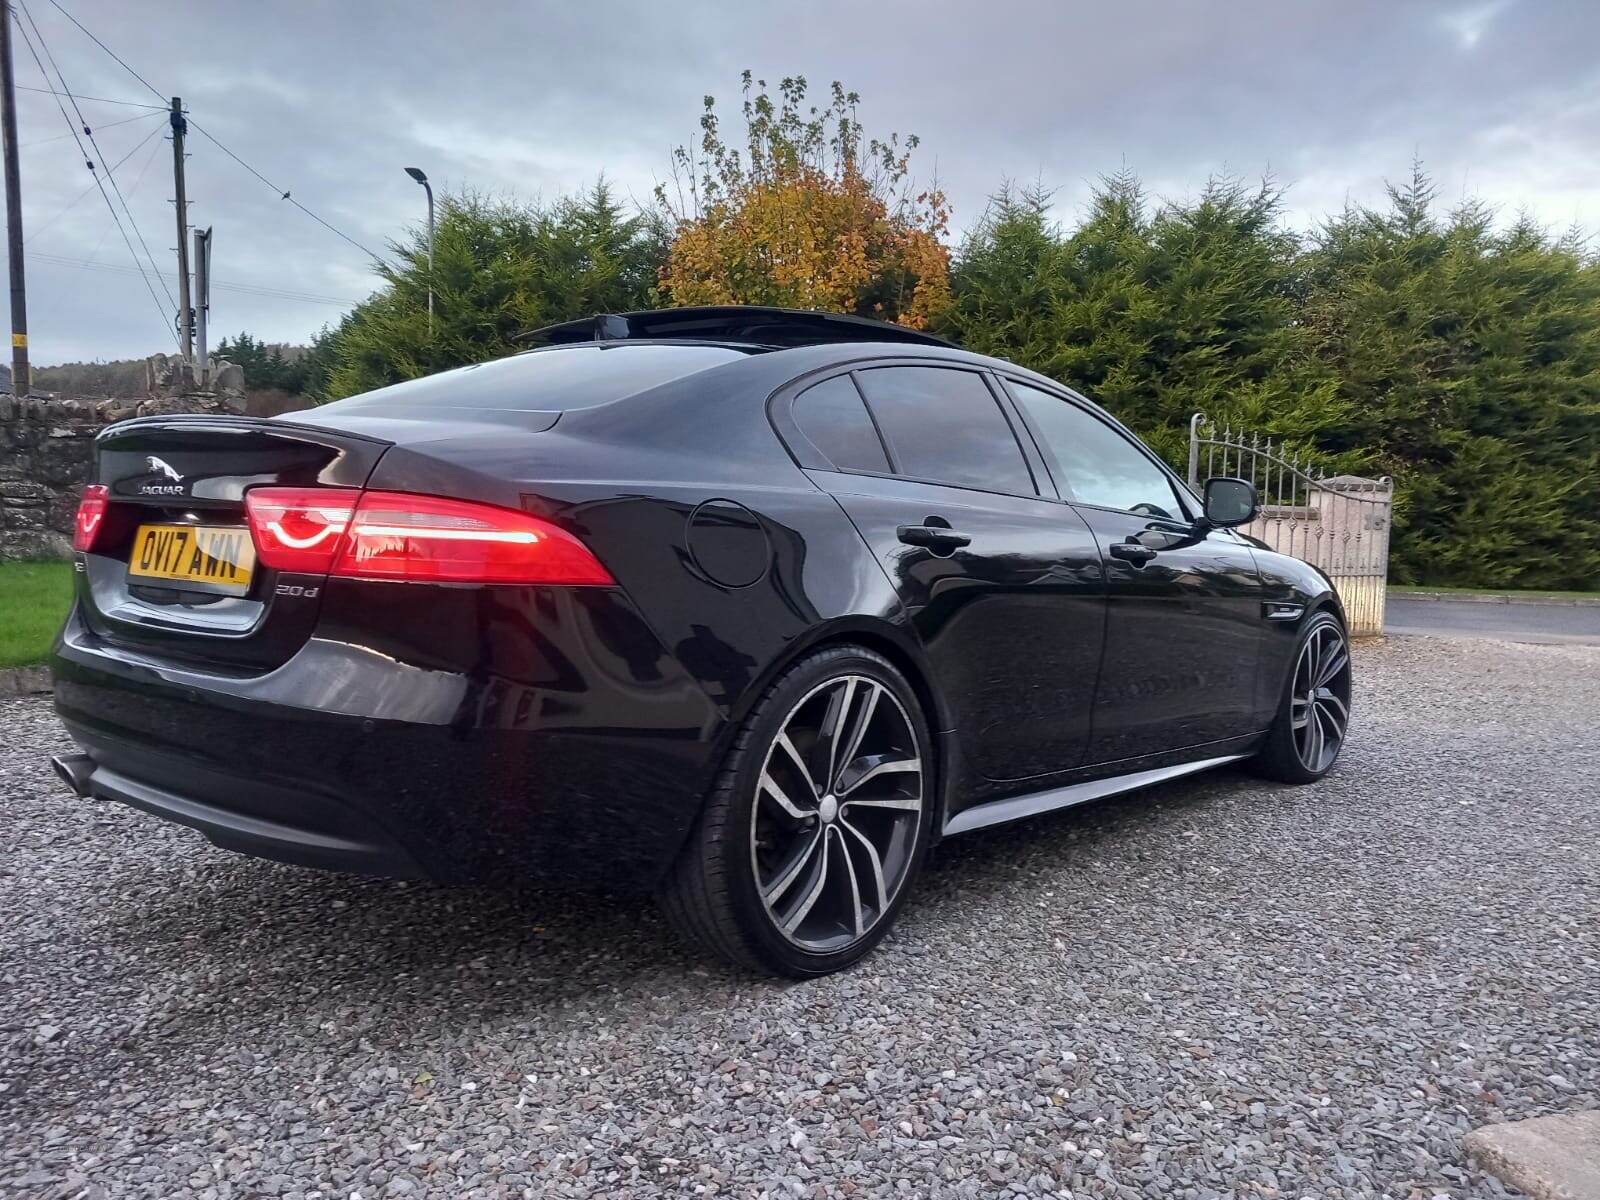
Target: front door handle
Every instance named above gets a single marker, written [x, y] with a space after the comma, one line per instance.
[934, 537]
[1132, 552]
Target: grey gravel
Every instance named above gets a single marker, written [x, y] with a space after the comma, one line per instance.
[1221, 988]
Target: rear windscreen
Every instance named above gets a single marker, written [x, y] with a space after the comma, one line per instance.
[552, 380]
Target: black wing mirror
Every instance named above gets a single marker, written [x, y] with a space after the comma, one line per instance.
[1230, 502]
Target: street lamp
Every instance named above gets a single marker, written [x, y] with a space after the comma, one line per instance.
[417, 174]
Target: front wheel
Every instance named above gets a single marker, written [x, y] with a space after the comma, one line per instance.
[818, 822]
[1314, 712]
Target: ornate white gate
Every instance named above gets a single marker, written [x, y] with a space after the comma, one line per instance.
[1339, 523]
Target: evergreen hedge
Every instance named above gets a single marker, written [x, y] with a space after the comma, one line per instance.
[1459, 356]
[1460, 359]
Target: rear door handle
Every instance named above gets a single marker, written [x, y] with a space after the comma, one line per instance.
[934, 537]
[1132, 552]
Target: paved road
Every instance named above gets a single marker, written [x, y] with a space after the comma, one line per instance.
[1550, 624]
[1223, 988]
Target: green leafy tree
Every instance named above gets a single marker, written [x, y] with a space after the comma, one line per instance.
[810, 214]
[500, 269]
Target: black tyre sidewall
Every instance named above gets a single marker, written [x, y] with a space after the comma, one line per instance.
[754, 922]
[1280, 758]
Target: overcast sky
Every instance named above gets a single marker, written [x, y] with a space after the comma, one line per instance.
[1501, 100]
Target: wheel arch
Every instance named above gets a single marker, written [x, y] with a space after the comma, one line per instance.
[1328, 602]
[1326, 597]
[882, 636]
[903, 653]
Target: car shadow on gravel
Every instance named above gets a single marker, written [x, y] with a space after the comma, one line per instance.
[260, 932]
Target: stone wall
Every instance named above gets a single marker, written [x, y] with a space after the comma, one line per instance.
[45, 458]
[47, 448]
[46, 455]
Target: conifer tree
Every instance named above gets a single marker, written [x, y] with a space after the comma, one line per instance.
[1469, 361]
[500, 268]
[1156, 312]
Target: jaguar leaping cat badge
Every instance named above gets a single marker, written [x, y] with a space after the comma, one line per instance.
[161, 467]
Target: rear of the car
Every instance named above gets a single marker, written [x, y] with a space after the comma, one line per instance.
[360, 640]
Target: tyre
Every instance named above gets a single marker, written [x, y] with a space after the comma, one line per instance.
[817, 824]
[1314, 712]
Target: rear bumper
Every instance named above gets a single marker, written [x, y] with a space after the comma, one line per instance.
[587, 776]
[263, 822]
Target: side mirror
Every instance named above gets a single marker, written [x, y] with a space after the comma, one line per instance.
[1230, 502]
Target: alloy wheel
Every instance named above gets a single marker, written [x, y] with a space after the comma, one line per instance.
[1320, 702]
[838, 808]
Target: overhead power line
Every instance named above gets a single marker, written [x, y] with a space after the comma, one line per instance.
[107, 49]
[282, 193]
[98, 182]
[248, 289]
[137, 180]
[45, 91]
[88, 131]
[71, 204]
[61, 137]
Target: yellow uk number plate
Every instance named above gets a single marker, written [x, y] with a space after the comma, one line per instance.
[204, 558]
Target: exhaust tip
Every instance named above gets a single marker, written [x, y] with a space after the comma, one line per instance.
[74, 770]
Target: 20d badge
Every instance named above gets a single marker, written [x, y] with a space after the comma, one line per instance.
[206, 558]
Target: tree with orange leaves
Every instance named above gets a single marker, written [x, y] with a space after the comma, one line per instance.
[810, 215]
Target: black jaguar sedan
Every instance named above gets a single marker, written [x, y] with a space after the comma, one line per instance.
[745, 608]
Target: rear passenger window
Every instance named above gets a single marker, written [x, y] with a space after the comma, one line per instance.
[834, 419]
[945, 425]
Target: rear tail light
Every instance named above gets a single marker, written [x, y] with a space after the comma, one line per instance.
[426, 539]
[91, 516]
[299, 529]
[431, 539]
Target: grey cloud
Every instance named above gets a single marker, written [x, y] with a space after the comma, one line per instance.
[1500, 99]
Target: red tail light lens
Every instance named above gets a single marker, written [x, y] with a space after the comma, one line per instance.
[392, 535]
[91, 515]
[299, 529]
[430, 539]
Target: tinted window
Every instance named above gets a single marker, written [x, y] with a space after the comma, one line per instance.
[1102, 466]
[832, 415]
[561, 378]
[944, 425]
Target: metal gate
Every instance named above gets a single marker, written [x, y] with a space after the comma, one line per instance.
[1339, 523]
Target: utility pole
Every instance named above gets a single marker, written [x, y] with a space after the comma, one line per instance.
[202, 304]
[21, 375]
[185, 313]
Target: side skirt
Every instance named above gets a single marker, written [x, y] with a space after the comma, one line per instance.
[1015, 808]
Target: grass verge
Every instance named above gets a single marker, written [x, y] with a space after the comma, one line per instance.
[1402, 589]
[34, 598]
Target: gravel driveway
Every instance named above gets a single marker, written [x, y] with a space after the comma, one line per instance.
[1221, 988]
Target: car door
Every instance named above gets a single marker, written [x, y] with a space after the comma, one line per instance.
[1002, 585]
[1183, 605]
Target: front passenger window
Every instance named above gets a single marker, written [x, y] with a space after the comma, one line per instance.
[1102, 467]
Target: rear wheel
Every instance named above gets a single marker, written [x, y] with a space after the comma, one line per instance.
[1314, 712]
[818, 822]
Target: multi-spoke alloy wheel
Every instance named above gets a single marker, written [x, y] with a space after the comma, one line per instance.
[1320, 700]
[1314, 714]
[837, 810]
[810, 839]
